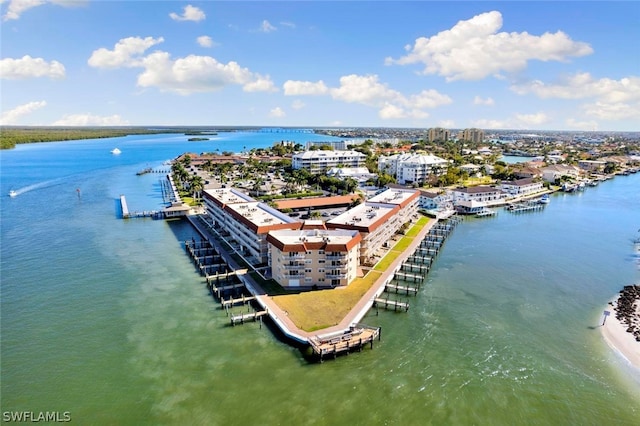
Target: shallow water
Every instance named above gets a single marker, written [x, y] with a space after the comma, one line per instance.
[107, 318]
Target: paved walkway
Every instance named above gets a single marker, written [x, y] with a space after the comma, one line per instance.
[280, 317]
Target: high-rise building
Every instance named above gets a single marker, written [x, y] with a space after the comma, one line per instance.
[473, 135]
[439, 134]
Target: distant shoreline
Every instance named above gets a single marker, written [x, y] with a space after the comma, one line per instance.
[614, 329]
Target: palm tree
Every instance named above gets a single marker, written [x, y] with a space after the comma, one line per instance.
[197, 185]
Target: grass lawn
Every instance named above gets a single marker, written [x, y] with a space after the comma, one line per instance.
[415, 230]
[315, 310]
[484, 180]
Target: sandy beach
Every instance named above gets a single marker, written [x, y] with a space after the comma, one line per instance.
[615, 333]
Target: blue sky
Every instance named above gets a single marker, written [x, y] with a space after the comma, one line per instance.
[493, 65]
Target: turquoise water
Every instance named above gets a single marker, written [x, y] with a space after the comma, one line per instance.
[107, 318]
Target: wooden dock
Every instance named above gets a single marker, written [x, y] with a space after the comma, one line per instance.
[388, 303]
[401, 289]
[251, 316]
[241, 300]
[356, 338]
[219, 290]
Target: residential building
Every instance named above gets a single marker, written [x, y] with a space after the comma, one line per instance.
[557, 171]
[314, 257]
[472, 135]
[438, 134]
[246, 221]
[592, 166]
[412, 168]
[378, 219]
[522, 187]
[336, 145]
[360, 174]
[320, 161]
[482, 193]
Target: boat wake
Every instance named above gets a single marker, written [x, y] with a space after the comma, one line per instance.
[39, 185]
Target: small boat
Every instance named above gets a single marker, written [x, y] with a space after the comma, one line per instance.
[13, 193]
[544, 199]
[115, 151]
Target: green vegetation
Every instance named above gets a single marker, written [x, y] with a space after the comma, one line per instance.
[11, 136]
[316, 310]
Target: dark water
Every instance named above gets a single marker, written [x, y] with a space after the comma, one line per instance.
[107, 319]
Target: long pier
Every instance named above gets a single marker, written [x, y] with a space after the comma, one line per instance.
[127, 214]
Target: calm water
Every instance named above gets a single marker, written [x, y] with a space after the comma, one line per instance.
[108, 320]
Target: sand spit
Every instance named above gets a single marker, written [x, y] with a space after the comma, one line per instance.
[622, 329]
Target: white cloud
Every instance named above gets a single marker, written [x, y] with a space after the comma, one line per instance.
[446, 124]
[583, 85]
[277, 112]
[517, 121]
[126, 53]
[480, 101]
[18, 7]
[532, 119]
[90, 120]
[191, 13]
[266, 27]
[288, 24]
[28, 67]
[388, 112]
[297, 104]
[191, 74]
[474, 49]
[612, 111]
[296, 88]
[614, 99]
[195, 74]
[206, 41]
[581, 125]
[13, 116]
[260, 84]
[364, 90]
[367, 90]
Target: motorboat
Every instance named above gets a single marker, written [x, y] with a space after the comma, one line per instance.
[13, 193]
[115, 151]
[544, 199]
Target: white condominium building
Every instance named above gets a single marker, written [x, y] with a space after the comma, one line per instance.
[412, 168]
[314, 257]
[321, 161]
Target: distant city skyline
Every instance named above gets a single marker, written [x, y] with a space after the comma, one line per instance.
[419, 64]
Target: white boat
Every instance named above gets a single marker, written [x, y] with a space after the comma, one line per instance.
[115, 151]
[545, 199]
[13, 193]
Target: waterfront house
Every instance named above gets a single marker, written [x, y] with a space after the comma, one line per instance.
[557, 171]
[522, 187]
[480, 193]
